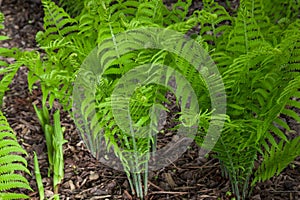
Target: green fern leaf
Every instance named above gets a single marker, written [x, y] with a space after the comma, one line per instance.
[10, 162]
[57, 24]
[246, 35]
[7, 72]
[214, 23]
[178, 12]
[277, 159]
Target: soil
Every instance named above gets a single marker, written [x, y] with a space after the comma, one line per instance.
[85, 177]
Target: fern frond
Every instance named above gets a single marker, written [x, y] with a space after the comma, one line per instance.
[222, 60]
[278, 155]
[237, 153]
[185, 26]
[151, 12]
[292, 29]
[7, 71]
[86, 119]
[74, 8]
[279, 9]
[10, 162]
[215, 23]
[277, 159]
[246, 34]
[126, 10]
[178, 12]
[256, 9]
[57, 24]
[290, 46]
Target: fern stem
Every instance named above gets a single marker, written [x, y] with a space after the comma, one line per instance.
[232, 173]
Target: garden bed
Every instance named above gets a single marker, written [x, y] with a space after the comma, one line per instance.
[85, 178]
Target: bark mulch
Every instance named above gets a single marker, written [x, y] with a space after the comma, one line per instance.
[85, 178]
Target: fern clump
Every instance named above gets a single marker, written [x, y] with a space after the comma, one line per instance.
[256, 51]
[261, 73]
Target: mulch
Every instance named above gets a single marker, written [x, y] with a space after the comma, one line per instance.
[85, 177]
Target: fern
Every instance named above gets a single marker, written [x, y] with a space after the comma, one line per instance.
[278, 10]
[277, 159]
[10, 163]
[246, 34]
[257, 53]
[237, 154]
[54, 72]
[7, 71]
[177, 14]
[256, 9]
[260, 72]
[214, 23]
[74, 8]
[57, 24]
